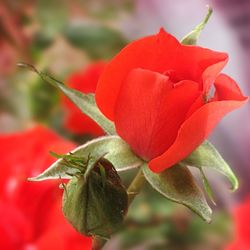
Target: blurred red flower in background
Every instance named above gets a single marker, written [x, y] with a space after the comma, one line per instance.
[31, 216]
[241, 216]
[158, 93]
[84, 81]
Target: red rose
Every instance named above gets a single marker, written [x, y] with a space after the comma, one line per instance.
[157, 92]
[84, 81]
[241, 216]
[31, 216]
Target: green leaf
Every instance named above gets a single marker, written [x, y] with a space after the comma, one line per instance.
[99, 41]
[192, 37]
[112, 147]
[96, 205]
[42, 99]
[178, 185]
[85, 102]
[206, 156]
[51, 18]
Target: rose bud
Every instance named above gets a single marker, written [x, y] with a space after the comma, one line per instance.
[158, 92]
[95, 202]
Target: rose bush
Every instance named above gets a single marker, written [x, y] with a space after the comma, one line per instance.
[31, 216]
[84, 81]
[159, 93]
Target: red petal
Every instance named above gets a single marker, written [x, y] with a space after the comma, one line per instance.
[19, 151]
[237, 245]
[194, 131]
[227, 88]
[24, 155]
[31, 214]
[61, 239]
[78, 123]
[211, 73]
[84, 81]
[58, 229]
[199, 102]
[242, 220]
[15, 228]
[150, 111]
[159, 53]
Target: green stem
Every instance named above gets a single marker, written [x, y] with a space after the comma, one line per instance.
[135, 186]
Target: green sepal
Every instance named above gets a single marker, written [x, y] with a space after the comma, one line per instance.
[96, 203]
[85, 102]
[177, 184]
[207, 186]
[206, 156]
[192, 37]
[114, 148]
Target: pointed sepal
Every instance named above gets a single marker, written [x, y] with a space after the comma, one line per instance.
[178, 185]
[112, 147]
[206, 156]
[85, 102]
[192, 37]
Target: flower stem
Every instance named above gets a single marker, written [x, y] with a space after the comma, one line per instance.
[135, 186]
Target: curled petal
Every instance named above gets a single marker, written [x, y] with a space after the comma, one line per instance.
[202, 65]
[194, 131]
[211, 73]
[227, 88]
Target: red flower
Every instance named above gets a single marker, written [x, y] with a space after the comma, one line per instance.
[157, 91]
[242, 227]
[84, 81]
[31, 216]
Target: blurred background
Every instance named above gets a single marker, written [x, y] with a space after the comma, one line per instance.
[73, 40]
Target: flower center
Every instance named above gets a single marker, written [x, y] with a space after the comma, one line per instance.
[173, 75]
